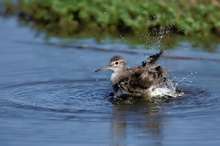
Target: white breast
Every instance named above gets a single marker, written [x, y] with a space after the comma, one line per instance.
[114, 78]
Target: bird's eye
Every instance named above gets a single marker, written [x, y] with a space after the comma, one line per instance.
[116, 63]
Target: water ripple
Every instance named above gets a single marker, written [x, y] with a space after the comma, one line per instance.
[57, 96]
[90, 96]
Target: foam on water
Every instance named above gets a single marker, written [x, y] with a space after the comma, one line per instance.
[168, 89]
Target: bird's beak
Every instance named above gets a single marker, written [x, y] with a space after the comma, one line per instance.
[103, 68]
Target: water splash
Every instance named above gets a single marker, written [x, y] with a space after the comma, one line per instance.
[166, 90]
[184, 78]
[169, 89]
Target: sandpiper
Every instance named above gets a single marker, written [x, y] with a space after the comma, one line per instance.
[138, 80]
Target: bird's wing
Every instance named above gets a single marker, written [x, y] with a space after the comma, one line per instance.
[152, 59]
[140, 79]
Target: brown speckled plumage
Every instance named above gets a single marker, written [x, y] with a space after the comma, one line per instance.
[138, 79]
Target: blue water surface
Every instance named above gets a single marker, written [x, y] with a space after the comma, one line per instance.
[50, 95]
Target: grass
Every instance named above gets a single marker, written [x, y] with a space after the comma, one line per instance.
[195, 18]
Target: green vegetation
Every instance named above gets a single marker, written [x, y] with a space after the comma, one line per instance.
[136, 17]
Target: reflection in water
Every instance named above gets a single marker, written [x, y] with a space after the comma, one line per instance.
[118, 128]
[142, 121]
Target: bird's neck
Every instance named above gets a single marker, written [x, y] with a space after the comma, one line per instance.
[116, 75]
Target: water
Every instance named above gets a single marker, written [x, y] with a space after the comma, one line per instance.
[50, 95]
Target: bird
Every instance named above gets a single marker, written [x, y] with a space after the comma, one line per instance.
[139, 80]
